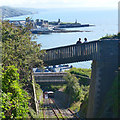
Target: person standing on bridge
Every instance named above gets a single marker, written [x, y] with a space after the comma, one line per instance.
[79, 41]
[85, 48]
[77, 47]
[85, 40]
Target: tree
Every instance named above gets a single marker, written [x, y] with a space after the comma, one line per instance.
[19, 50]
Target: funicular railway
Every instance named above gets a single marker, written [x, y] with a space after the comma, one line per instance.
[105, 55]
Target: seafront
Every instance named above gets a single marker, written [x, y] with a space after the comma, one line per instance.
[45, 27]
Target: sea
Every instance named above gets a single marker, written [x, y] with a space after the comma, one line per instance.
[105, 21]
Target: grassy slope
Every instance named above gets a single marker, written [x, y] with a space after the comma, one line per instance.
[82, 75]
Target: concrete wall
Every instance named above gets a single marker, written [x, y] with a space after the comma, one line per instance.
[104, 72]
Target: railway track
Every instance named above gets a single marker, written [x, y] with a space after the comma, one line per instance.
[67, 113]
[52, 110]
[48, 110]
[56, 110]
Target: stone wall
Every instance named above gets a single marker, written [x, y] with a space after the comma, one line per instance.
[104, 72]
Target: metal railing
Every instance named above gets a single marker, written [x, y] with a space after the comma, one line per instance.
[72, 53]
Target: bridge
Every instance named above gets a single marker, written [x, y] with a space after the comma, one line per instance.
[73, 53]
[49, 77]
[105, 55]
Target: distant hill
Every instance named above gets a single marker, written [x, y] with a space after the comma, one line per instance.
[13, 12]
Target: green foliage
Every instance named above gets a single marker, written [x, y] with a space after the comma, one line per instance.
[39, 91]
[84, 106]
[73, 88]
[36, 116]
[80, 71]
[82, 75]
[111, 36]
[78, 89]
[14, 98]
[75, 91]
[57, 87]
[19, 50]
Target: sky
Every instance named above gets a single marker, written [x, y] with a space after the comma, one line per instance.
[112, 4]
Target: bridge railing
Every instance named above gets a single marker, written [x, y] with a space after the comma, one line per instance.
[84, 51]
[49, 76]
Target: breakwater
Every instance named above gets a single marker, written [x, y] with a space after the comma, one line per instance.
[57, 31]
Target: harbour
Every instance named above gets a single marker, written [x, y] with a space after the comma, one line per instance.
[46, 27]
[103, 25]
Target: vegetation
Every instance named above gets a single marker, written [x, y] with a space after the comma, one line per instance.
[73, 88]
[81, 71]
[14, 98]
[82, 75]
[66, 23]
[39, 91]
[78, 89]
[57, 87]
[111, 36]
[19, 50]
[19, 56]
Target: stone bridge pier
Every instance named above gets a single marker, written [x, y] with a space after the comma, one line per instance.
[102, 95]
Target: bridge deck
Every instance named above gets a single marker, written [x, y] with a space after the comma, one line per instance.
[76, 52]
[72, 53]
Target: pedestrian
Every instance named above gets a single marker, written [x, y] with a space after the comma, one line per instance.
[85, 40]
[85, 47]
[79, 41]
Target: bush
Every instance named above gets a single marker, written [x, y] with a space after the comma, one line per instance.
[72, 88]
[14, 98]
[111, 36]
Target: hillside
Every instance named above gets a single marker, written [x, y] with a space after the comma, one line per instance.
[13, 12]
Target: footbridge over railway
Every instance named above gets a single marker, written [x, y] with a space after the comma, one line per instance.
[105, 55]
[50, 77]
